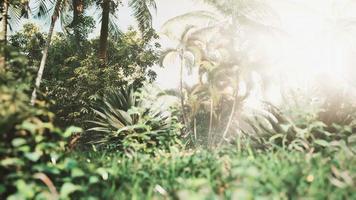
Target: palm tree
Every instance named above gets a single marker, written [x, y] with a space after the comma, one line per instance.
[186, 50]
[10, 13]
[78, 10]
[55, 15]
[104, 30]
[141, 11]
[3, 32]
[4, 20]
[209, 47]
[60, 7]
[78, 7]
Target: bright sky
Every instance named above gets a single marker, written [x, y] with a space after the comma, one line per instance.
[166, 9]
[320, 43]
[318, 38]
[168, 77]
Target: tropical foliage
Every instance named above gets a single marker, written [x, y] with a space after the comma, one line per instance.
[125, 122]
[80, 117]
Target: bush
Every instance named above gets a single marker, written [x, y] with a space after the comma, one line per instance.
[75, 79]
[126, 122]
[31, 148]
[301, 130]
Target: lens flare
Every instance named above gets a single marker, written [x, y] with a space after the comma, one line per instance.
[314, 47]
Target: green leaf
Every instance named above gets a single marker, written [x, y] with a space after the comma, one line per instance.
[69, 131]
[93, 179]
[2, 189]
[25, 189]
[76, 172]
[33, 156]
[68, 188]
[29, 126]
[18, 142]
[351, 139]
[70, 163]
[323, 143]
[276, 136]
[103, 173]
[12, 162]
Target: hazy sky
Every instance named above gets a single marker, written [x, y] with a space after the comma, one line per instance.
[315, 28]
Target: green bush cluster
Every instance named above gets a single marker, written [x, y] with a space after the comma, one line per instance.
[125, 121]
[301, 130]
[32, 147]
[75, 79]
[33, 158]
[131, 148]
[201, 174]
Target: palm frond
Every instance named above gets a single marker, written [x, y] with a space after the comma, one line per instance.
[142, 13]
[16, 12]
[42, 8]
[177, 26]
[65, 16]
[114, 29]
[257, 10]
[15, 17]
[167, 54]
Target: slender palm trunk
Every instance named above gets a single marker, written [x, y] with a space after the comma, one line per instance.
[230, 120]
[45, 51]
[4, 20]
[78, 9]
[3, 33]
[104, 31]
[181, 87]
[210, 136]
[195, 129]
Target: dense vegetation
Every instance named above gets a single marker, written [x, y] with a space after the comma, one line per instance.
[80, 118]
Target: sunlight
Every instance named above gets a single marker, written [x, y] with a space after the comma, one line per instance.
[177, 99]
[311, 48]
[309, 42]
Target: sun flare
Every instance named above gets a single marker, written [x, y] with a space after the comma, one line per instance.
[310, 46]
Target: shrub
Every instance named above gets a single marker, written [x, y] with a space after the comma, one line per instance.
[31, 148]
[125, 122]
[300, 130]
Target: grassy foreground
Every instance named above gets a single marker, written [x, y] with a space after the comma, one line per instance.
[228, 174]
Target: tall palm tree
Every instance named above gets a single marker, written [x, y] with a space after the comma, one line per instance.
[10, 14]
[78, 10]
[104, 30]
[141, 11]
[59, 9]
[4, 8]
[55, 15]
[3, 32]
[217, 62]
[186, 50]
[78, 7]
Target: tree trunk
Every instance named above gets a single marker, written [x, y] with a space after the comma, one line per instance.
[210, 136]
[195, 129]
[230, 119]
[3, 33]
[78, 8]
[104, 31]
[45, 51]
[181, 87]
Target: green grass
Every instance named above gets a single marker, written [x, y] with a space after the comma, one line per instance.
[226, 174]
